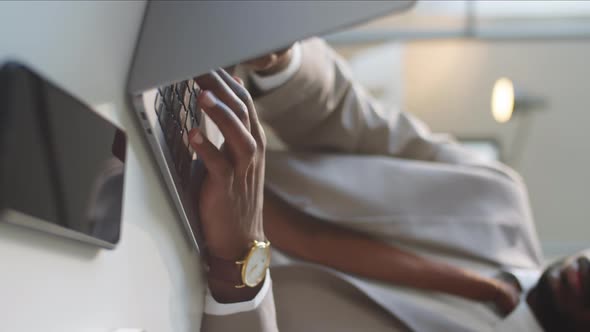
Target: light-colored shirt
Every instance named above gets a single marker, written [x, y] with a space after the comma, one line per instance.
[212, 307]
[269, 82]
[521, 319]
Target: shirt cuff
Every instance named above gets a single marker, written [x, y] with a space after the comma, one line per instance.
[212, 307]
[267, 83]
[527, 278]
[521, 319]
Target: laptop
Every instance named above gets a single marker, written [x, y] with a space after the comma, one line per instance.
[183, 39]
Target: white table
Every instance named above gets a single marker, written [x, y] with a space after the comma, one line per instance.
[152, 280]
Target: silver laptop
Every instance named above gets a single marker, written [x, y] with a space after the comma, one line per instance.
[180, 40]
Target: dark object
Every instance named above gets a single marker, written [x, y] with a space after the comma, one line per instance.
[58, 168]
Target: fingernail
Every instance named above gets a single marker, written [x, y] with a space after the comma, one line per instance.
[196, 138]
[208, 99]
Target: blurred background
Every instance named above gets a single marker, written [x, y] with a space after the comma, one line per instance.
[441, 60]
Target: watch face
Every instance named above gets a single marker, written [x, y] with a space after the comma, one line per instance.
[256, 265]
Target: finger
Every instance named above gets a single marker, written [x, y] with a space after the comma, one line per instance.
[240, 142]
[219, 87]
[215, 162]
[239, 80]
[238, 89]
[246, 98]
[230, 69]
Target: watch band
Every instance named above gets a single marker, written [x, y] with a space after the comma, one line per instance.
[232, 271]
[225, 270]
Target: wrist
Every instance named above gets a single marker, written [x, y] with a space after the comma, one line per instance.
[495, 292]
[239, 278]
[483, 290]
[235, 245]
[229, 250]
[232, 243]
[226, 292]
[281, 63]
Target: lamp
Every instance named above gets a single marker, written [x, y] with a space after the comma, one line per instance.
[507, 101]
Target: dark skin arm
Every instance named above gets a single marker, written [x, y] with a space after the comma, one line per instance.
[231, 201]
[232, 192]
[320, 242]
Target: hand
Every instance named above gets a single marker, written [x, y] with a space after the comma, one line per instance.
[231, 201]
[507, 296]
[270, 63]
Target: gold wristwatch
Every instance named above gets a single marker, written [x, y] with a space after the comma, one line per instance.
[248, 272]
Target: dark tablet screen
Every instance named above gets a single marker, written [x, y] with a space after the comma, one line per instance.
[62, 163]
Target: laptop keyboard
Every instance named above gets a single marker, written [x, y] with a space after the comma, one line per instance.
[178, 112]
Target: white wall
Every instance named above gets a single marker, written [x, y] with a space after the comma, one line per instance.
[448, 84]
[152, 280]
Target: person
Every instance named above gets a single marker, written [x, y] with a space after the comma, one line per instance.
[380, 225]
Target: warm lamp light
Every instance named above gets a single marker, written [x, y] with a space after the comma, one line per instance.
[503, 100]
[507, 101]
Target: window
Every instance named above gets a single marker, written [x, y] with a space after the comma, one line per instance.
[477, 19]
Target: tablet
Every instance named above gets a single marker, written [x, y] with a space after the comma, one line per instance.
[62, 164]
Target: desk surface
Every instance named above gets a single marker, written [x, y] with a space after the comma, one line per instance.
[152, 280]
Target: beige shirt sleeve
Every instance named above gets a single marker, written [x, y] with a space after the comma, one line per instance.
[322, 108]
[262, 319]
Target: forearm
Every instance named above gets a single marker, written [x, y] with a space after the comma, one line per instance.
[318, 241]
[355, 253]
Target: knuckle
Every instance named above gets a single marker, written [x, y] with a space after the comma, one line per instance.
[223, 113]
[244, 95]
[251, 147]
[262, 142]
[241, 112]
[248, 98]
